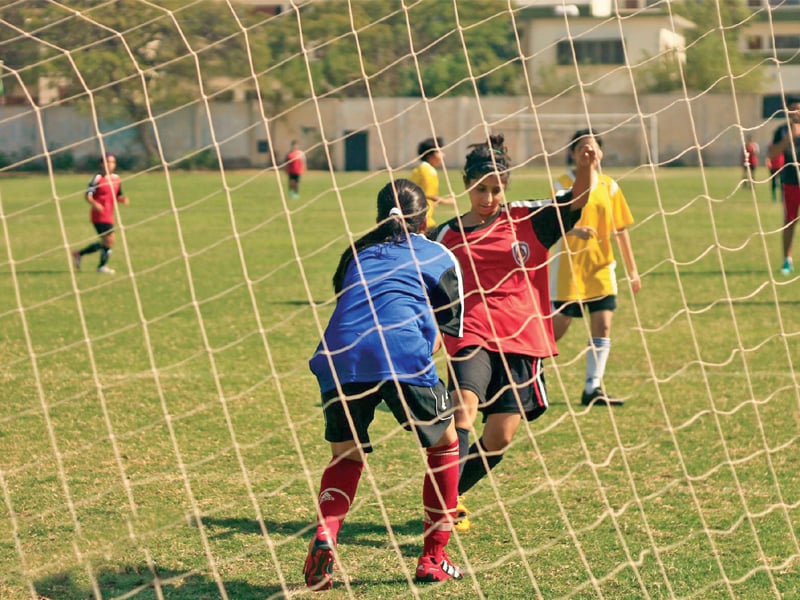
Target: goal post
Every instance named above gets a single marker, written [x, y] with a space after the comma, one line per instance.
[629, 139]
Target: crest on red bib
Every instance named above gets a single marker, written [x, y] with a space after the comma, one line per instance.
[521, 252]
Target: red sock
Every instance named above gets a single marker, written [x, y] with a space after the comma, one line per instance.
[440, 480]
[336, 491]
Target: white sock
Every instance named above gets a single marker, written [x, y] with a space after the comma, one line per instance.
[596, 359]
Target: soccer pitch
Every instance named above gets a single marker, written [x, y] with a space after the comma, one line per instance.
[163, 421]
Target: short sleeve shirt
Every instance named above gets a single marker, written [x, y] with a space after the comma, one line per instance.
[426, 177]
[295, 162]
[105, 189]
[395, 298]
[585, 269]
[506, 291]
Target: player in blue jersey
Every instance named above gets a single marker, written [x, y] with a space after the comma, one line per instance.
[396, 290]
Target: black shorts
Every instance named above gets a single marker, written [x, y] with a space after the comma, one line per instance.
[518, 388]
[294, 177]
[576, 308]
[103, 229]
[427, 411]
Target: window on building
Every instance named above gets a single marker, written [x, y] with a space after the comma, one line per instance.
[754, 3]
[594, 52]
[787, 42]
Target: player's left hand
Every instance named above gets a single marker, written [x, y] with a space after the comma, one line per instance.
[636, 282]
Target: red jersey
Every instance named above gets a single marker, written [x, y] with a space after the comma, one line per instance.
[750, 157]
[295, 162]
[774, 164]
[506, 281]
[105, 190]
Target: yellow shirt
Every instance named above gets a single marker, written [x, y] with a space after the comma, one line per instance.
[426, 177]
[585, 269]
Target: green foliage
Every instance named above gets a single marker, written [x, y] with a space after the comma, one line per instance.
[714, 61]
[205, 159]
[392, 51]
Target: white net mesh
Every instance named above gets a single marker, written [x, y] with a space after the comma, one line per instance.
[160, 432]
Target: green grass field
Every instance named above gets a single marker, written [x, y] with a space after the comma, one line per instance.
[164, 420]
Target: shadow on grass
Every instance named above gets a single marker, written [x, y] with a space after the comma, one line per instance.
[354, 532]
[138, 582]
[20, 272]
[300, 302]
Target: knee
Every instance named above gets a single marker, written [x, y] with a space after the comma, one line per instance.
[496, 442]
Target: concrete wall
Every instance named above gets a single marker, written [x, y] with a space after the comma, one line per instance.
[676, 128]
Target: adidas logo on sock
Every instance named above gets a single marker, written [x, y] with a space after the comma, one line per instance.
[325, 496]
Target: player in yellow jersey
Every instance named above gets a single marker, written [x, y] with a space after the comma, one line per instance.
[583, 278]
[425, 176]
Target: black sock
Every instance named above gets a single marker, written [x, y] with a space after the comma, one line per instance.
[105, 254]
[475, 468]
[463, 448]
[91, 248]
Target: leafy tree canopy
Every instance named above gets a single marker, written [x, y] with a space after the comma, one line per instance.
[714, 61]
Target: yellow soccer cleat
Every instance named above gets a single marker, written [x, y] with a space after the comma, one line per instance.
[461, 521]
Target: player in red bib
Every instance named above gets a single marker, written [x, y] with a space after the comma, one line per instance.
[496, 367]
[104, 190]
[786, 142]
[295, 167]
[750, 160]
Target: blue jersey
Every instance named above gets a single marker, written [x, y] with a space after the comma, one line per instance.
[395, 297]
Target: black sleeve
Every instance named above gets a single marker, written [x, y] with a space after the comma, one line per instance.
[555, 219]
[448, 303]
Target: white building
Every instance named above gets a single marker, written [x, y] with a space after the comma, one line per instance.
[615, 41]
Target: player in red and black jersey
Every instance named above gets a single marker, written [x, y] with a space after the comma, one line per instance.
[104, 190]
[786, 142]
[295, 167]
[496, 367]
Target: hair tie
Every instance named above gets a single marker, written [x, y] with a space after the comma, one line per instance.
[395, 212]
[485, 167]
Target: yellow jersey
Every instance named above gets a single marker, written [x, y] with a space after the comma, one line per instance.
[585, 269]
[426, 177]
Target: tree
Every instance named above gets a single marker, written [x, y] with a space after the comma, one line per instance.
[708, 45]
[131, 62]
[352, 47]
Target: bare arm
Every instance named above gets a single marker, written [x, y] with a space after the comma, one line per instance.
[624, 243]
[95, 205]
[437, 344]
[450, 200]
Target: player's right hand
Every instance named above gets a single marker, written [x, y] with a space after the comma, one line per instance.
[583, 233]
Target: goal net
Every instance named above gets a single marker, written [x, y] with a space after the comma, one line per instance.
[161, 434]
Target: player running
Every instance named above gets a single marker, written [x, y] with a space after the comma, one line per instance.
[104, 190]
[395, 290]
[497, 365]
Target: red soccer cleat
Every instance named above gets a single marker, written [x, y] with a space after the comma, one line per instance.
[318, 568]
[429, 570]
